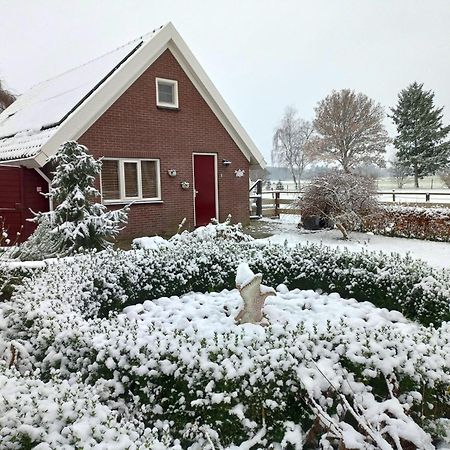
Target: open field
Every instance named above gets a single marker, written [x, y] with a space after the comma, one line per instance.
[431, 182]
[388, 193]
[383, 183]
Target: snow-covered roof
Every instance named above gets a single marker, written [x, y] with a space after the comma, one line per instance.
[64, 107]
[25, 144]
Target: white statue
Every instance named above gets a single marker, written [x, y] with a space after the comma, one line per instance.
[253, 293]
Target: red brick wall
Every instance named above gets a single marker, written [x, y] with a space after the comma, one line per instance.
[134, 127]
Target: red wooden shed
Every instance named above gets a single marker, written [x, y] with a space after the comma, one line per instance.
[170, 145]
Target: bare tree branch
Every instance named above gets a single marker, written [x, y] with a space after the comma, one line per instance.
[344, 199]
[350, 130]
[291, 143]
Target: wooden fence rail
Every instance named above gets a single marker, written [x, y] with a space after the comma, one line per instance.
[273, 203]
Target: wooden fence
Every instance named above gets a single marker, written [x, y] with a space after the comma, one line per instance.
[273, 203]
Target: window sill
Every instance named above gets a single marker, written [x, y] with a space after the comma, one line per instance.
[168, 107]
[128, 202]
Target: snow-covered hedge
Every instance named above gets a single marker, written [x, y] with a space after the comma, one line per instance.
[12, 275]
[325, 371]
[64, 414]
[205, 261]
[173, 372]
[411, 222]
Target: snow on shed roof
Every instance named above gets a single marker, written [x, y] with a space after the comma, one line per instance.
[34, 116]
[25, 144]
[62, 108]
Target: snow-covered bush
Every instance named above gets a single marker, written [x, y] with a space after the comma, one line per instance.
[389, 281]
[325, 370]
[12, 276]
[344, 199]
[202, 261]
[410, 222]
[174, 372]
[65, 414]
[77, 223]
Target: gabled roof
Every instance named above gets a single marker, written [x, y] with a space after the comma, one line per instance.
[64, 107]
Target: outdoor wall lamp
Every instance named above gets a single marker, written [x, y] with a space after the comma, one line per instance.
[225, 162]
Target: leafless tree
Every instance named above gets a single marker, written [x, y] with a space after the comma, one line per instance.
[6, 98]
[350, 130]
[291, 143]
[341, 198]
[399, 171]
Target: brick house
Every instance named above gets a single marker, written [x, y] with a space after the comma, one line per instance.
[170, 144]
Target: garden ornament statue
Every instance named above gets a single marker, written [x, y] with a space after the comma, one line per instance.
[253, 294]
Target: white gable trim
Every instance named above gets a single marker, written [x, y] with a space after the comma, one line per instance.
[104, 96]
[213, 98]
[80, 120]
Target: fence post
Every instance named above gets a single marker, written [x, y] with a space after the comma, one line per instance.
[277, 203]
[427, 197]
[259, 198]
[393, 195]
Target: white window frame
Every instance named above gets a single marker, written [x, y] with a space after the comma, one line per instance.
[139, 198]
[174, 84]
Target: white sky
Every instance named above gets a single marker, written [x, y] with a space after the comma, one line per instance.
[262, 55]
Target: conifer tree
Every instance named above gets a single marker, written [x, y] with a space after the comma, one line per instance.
[77, 222]
[421, 141]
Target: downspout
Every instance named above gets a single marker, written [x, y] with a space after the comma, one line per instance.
[47, 179]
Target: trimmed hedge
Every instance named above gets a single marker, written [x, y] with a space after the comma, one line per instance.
[230, 381]
[411, 222]
[106, 282]
[225, 388]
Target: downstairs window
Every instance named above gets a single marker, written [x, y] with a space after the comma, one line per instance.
[124, 180]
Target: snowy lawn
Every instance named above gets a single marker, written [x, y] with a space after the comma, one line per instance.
[285, 229]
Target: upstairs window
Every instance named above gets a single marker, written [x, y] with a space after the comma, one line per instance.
[130, 180]
[167, 93]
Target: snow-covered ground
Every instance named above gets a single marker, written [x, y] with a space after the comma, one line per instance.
[285, 229]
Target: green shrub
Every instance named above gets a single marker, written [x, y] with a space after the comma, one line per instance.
[230, 386]
[103, 283]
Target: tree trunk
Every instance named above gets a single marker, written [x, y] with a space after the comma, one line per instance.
[416, 177]
[294, 177]
[345, 166]
[342, 229]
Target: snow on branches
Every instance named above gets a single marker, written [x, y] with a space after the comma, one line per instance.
[341, 198]
[77, 223]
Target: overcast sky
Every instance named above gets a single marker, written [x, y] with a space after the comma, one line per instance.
[262, 55]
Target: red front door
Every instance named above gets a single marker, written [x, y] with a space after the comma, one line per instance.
[205, 185]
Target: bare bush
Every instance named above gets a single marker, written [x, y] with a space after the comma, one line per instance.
[399, 171]
[341, 198]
